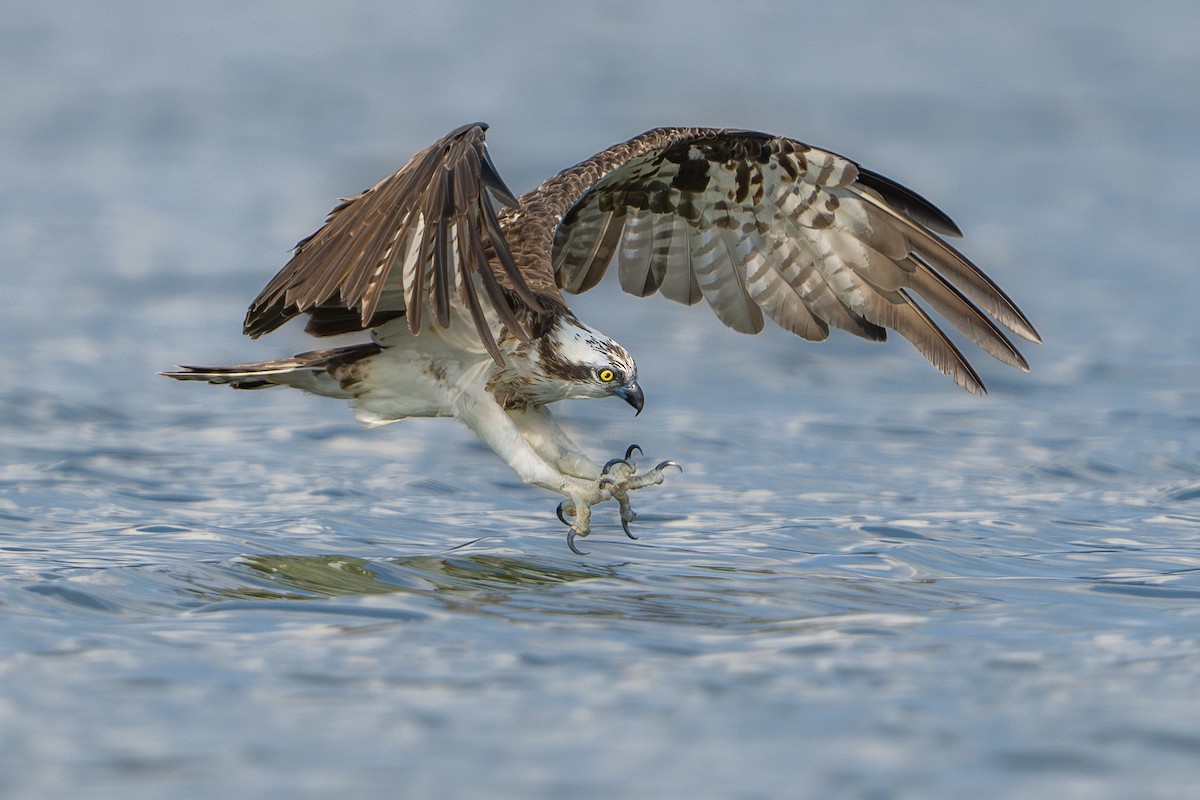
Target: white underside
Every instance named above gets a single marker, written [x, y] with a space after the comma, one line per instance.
[444, 373]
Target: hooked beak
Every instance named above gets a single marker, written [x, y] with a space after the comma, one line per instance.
[632, 394]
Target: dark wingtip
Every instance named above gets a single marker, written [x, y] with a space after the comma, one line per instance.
[262, 319]
[494, 183]
[470, 126]
[910, 203]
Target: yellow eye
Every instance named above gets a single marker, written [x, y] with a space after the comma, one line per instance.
[606, 375]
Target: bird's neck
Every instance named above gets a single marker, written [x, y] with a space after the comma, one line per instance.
[536, 372]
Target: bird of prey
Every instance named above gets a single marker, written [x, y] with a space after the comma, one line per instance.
[460, 285]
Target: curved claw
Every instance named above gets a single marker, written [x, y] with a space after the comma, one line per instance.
[571, 544]
[610, 481]
[563, 519]
[613, 462]
[629, 451]
[666, 464]
[625, 527]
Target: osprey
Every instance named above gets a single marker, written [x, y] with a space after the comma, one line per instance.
[467, 318]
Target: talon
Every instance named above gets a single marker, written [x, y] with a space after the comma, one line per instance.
[625, 527]
[613, 462]
[575, 512]
[571, 544]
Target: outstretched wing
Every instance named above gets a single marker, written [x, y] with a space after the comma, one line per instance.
[410, 242]
[760, 225]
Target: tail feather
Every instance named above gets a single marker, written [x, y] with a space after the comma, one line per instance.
[313, 372]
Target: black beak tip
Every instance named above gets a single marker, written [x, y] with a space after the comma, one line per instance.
[632, 394]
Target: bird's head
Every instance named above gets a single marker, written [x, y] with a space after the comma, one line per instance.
[573, 360]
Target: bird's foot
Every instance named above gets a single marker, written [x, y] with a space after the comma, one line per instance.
[623, 472]
[618, 478]
[576, 513]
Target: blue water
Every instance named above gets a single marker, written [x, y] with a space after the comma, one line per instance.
[865, 584]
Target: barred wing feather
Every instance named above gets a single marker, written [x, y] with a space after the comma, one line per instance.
[759, 225]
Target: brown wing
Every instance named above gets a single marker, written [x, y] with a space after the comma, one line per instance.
[759, 225]
[411, 242]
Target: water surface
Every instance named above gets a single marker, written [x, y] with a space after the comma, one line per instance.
[865, 584]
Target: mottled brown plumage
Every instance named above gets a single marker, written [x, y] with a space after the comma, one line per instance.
[757, 225]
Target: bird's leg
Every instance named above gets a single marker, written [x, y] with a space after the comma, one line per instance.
[617, 478]
[553, 443]
[541, 465]
[613, 481]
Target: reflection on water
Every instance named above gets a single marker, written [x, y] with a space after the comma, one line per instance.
[513, 587]
[677, 590]
[478, 578]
